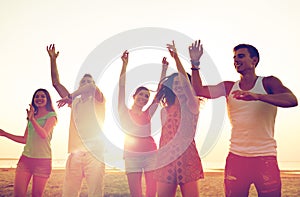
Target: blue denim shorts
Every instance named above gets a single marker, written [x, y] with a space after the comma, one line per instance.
[35, 166]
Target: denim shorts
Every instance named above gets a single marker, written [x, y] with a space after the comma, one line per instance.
[36, 166]
[241, 172]
[143, 163]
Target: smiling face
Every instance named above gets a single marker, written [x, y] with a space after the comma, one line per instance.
[86, 80]
[177, 87]
[40, 99]
[243, 61]
[141, 98]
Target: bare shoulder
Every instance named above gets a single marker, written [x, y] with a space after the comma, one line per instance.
[270, 79]
[273, 85]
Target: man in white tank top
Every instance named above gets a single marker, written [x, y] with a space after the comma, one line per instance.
[252, 106]
[85, 144]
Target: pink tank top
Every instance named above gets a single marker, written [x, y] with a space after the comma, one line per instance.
[138, 137]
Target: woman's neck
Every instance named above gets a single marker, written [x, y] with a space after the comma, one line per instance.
[136, 109]
[84, 97]
[41, 112]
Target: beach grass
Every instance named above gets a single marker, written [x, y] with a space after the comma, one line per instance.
[116, 184]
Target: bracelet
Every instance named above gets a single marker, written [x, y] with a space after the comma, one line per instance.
[195, 62]
[195, 68]
[70, 97]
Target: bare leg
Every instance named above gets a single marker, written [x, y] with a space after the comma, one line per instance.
[166, 189]
[150, 184]
[135, 184]
[38, 186]
[22, 180]
[190, 189]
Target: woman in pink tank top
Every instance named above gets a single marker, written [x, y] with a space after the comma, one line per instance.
[139, 145]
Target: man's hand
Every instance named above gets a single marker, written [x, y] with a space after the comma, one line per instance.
[63, 101]
[245, 96]
[196, 51]
[51, 51]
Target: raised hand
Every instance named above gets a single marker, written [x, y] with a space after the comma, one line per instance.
[172, 49]
[125, 57]
[30, 112]
[165, 63]
[196, 51]
[51, 51]
[63, 101]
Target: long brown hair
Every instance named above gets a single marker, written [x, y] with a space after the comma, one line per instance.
[49, 105]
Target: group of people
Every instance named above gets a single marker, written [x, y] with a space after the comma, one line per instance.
[252, 104]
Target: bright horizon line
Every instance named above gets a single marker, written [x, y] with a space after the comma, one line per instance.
[7, 158]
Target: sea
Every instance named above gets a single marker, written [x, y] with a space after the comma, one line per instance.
[209, 166]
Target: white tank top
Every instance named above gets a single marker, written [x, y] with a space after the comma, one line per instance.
[252, 123]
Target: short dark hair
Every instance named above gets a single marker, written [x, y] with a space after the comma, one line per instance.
[251, 49]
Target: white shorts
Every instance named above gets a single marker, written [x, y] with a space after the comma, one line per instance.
[142, 163]
[83, 165]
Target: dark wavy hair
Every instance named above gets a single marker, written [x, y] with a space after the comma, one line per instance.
[165, 93]
[49, 105]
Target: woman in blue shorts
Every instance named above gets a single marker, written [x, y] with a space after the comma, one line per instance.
[139, 145]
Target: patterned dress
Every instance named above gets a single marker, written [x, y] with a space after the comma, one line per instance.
[178, 160]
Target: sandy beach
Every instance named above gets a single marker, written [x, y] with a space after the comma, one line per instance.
[116, 184]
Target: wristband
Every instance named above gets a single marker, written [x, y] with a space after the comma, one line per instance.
[195, 62]
[70, 97]
[195, 68]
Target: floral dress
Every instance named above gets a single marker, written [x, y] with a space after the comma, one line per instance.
[178, 160]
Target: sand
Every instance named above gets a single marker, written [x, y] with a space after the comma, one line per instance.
[116, 184]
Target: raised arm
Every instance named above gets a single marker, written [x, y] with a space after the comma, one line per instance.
[62, 91]
[152, 108]
[183, 77]
[211, 91]
[165, 65]
[278, 94]
[89, 88]
[122, 81]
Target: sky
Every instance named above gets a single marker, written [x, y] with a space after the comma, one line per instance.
[79, 27]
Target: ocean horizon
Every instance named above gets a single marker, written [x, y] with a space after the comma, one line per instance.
[209, 166]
